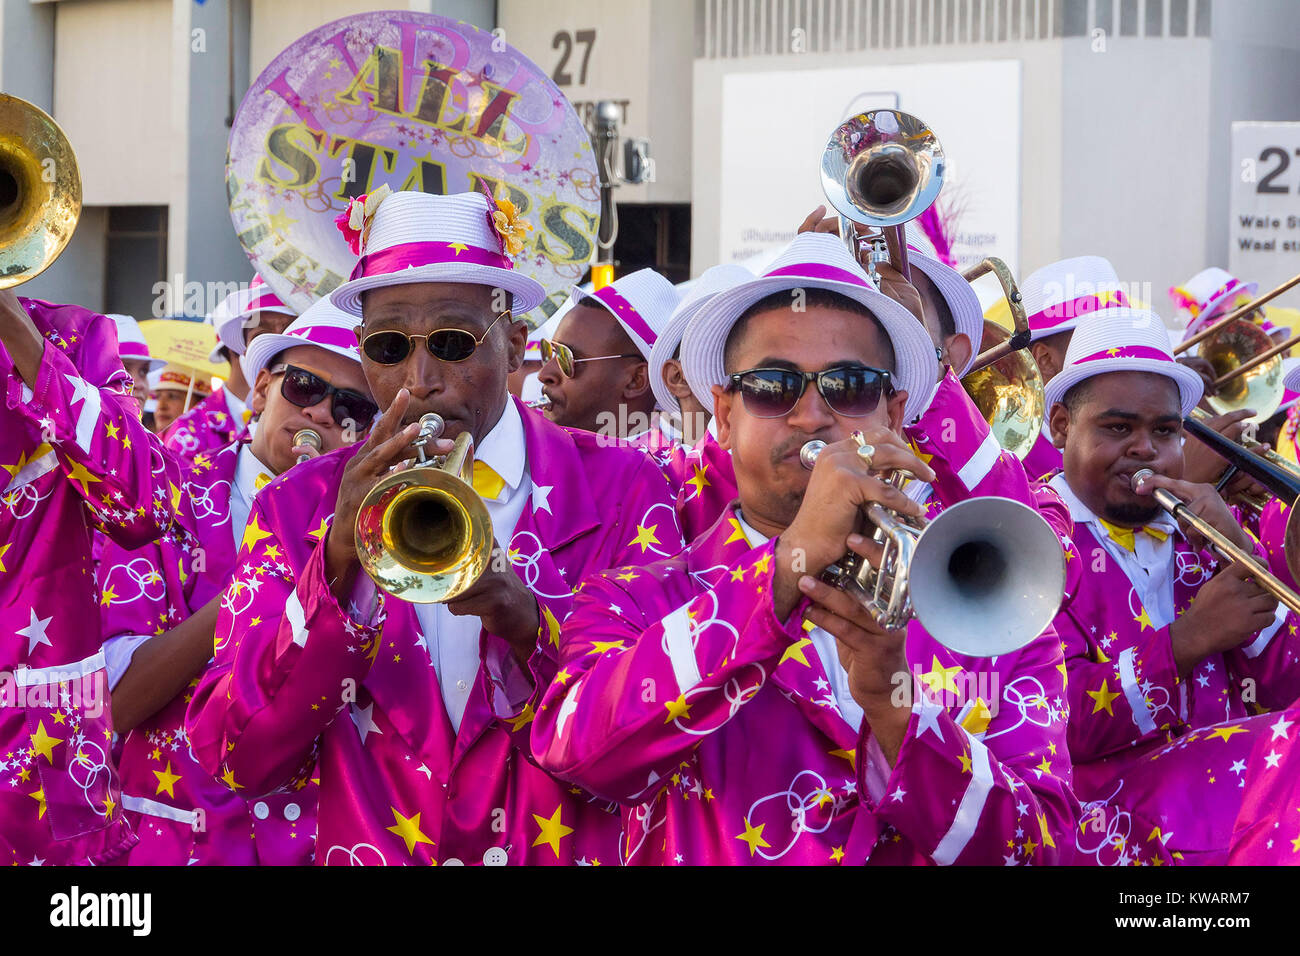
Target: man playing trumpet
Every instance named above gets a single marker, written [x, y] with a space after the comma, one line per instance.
[1168, 648]
[741, 710]
[414, 715]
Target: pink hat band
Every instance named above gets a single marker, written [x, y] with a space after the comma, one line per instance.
[1127, 351]
[1194, 305]
[331, 335]
[414, 254]
[816, 270]
[1061, 312]
[626, 313]
[133, 350]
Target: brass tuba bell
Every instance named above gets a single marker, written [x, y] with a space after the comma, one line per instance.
[40, 191]
[423, 533]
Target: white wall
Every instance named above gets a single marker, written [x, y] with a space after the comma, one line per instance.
[113, 97]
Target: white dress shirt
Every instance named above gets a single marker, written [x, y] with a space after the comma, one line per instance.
[235, 406]
[453, 642]
[1150, 567]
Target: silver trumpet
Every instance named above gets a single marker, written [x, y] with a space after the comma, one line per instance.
[308, 437]
[541, 404]
[984, 578]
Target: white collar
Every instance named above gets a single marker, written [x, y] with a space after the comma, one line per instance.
[1082, 514]
[247, 470]
[504, 449]
[712, 428]
[235, 406]
[752, 534]
[666, 427]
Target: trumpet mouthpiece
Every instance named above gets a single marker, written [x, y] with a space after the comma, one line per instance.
[306, 436]
[431, 425]
[809, 452]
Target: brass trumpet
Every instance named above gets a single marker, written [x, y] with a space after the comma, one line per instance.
[423, 533]
[984, 578]
[1220, 543]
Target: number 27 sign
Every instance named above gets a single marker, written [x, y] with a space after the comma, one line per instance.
[1264, 226]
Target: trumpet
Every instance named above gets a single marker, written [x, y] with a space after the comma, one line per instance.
[422, 532]
[308, 437]
[882, 169]
[984, 578]
[1220, 543]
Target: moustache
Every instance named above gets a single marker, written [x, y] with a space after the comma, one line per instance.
[790, 446]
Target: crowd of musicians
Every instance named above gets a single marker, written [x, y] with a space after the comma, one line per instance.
[651, 669]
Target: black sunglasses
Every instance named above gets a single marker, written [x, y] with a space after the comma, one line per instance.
[306, 389]
[849, 390]
[389, 347]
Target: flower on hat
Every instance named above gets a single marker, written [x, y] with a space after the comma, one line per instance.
[354, 221]
[509, 226]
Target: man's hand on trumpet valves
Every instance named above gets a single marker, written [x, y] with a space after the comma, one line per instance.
[388, 444]
[840, 487]
[1204, 502]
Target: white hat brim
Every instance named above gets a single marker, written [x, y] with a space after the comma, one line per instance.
[1190, 386]
[528, 292]
[963, 303]
[916, 368]
[1198, 323]
[270, 344]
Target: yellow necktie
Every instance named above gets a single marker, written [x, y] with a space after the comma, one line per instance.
[262, 480]
[487, 482]
[1126, 537]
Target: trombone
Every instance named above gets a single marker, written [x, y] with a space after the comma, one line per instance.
[984, 578]
[423, 533]
[1224, 547]
[1247, 364]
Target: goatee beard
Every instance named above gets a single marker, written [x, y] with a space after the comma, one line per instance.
[1132, 514]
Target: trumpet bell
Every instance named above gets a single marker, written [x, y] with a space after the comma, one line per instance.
[882, 168]
[1009, 394]
[424, 535]
[986, 576]
[40, 191]
[1259, 389]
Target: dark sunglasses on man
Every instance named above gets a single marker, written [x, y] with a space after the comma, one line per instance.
[305, 389]
[849, 390]
[390, 347]
[563, 356]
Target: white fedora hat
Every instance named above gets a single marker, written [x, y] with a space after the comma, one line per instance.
[1061, 293]
[710, 283]
[232, 313]
[642, 302]
[813, 260]
[1123, 340]
[1290, 383]
[130, 341]
[963, 303]
[1204, 292]
[419, 237]
[323, 325]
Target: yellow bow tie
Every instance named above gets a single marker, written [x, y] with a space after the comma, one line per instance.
[487, 482]
[1126, 537]
[262, 480]
[247, 415]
